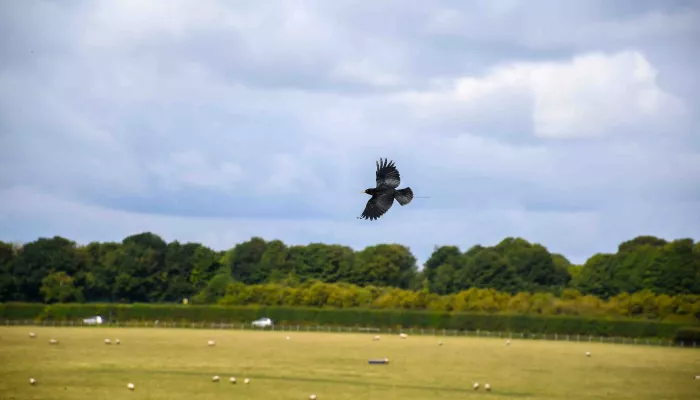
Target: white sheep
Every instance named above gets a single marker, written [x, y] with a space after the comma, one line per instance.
[476, 385]
[375, 338]
[588, 354]
[232, 379]
[287, 337]
[697, 377]
[211, 343]
[487, 387]
[116, 341]
[312, 397]
[403, 336]
[508, 342]
[130, 386]
[107, 341]
[53, 341]
[246, 380]
[440, 343]
[32, 335]
[215, 378]
[32, 381]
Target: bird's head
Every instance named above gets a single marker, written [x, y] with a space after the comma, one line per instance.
[368, 191]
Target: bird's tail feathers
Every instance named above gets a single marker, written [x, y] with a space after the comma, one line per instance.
[404, 196]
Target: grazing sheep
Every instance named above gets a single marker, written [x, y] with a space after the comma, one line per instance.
[697, 377]
[130, 386]
[440, 343]
[287, 337]
[53, 341]
[312, 397]
[246, 380]
[116, 341]
[32, 381]
[375, 338]
[508, 342]
[107, 341]
[215, 378]
[403, 336]
[588, 354]
[232, 379]
[476, 385]
[487, 387]
[32, 335]
[211, 343]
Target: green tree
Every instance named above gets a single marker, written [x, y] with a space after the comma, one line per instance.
[384, 265]
[37, 260]
[60, 287]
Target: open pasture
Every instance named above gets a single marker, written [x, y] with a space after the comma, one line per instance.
[178, 364]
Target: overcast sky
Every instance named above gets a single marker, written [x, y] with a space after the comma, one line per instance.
[573, 124]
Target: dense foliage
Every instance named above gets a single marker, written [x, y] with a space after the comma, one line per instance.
[351, 317]
[647, 276]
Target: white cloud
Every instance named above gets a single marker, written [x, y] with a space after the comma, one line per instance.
[592, 95]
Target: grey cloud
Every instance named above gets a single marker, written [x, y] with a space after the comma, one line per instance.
[217, 121]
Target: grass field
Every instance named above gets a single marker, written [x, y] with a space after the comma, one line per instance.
[173, 364]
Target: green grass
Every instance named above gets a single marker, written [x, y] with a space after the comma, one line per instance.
[172, 364]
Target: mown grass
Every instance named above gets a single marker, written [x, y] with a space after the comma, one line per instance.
[173, 364]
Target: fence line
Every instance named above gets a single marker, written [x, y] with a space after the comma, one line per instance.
[346, 329]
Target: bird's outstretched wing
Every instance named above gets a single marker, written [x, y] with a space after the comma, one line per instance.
[387, 174]
[377, 206]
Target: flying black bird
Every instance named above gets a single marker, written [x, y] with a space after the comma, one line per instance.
[383, 195]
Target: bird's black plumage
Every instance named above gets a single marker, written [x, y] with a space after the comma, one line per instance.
[383, 195]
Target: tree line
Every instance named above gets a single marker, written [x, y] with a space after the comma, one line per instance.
[145, 268]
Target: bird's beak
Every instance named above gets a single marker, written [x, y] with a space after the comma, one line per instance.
[362, 192]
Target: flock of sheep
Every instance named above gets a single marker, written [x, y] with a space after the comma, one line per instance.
[232, 379]
[131, 386]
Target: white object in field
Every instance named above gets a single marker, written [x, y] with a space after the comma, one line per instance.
[130, 386]
[476, 385]
[96, 320]
[487, 387]
[262, 323]
[287, 337]
[32, 335]
[116, 341]
[440, 343]
[211, 343]
[376, 337]
[32, 381]
[508, 342]
[107, 341]
[588, 354]
[232, 379]
[403, 336]
[246, 380]
[215, 378]
[53, 341]
[312, 397]
[697, 377]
